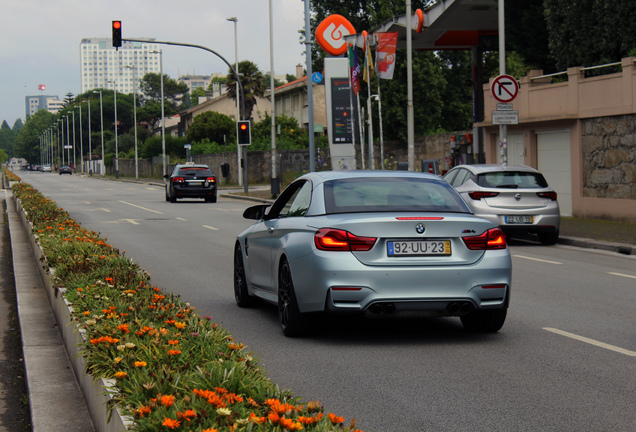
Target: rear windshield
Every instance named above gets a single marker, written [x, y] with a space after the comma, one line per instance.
[512, 180]
[391, 194]
[195, 171]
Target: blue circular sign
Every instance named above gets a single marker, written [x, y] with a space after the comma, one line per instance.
[316, 77]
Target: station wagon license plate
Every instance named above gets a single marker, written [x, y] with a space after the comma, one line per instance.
[518, 219]
[418, 248]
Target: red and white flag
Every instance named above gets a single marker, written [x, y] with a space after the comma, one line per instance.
[385, 54]
[42, 87]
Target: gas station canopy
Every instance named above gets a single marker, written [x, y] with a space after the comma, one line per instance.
[450, 25]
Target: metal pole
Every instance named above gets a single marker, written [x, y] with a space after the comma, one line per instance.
[238, 112]
[101, 111]
[503, 130]
[409, 85]
[74, 164]
[310, 95]
[68, 142]
[81, 141]
[369, 112]
[163, 118]
[275, 184]
[116, 147]
[135, 120]
[90, 143]
[378, 97]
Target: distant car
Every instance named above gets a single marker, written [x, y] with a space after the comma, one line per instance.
[191, 181]
[378, 243]
[46, 168]
[65, 169]
[515, 197]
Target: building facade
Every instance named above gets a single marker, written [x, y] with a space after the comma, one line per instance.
[34, 104]
[103, 66]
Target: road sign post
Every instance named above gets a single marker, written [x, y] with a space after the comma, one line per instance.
[504, 89]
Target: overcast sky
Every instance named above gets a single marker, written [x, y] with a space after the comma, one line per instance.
[39, 40]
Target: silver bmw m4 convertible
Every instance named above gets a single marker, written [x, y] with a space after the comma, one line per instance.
[379, 243]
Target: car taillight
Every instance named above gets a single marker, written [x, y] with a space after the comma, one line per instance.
[550, 195]
[211, 179]
[178, 180]
[477, 195]
[494, 238]
[329, 239]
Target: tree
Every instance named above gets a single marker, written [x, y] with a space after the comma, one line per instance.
[27, 142]
[7, 138]
[68, 99]
[150, 86]
[252, 81]
[590, 32]
[212, 126]
[290, 77]
[17, 125]
[3, 156]
[196, 94]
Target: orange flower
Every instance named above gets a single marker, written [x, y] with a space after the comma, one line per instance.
[171, 423]
[123, 328]
[289, 424]
[173, 342]
[180, 325]
[87, 312]
[120, 375]
[173, 352]
[209, 430]
[256, 419]
[143, 410]
[306, 420]
[140, 363]
[167, 400]
[335, 419]
[273, 417]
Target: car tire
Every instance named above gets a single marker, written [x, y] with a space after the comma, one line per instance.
[484, 321]
[549, 238]
[167, 196]
[173, 199]
[292, 322]
[241, 295]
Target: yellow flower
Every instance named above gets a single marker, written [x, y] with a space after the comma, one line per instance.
[180, 325]
[140, 363]
[120, 375]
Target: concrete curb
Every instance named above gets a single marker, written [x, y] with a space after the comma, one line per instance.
[94, 392]
[620, 248]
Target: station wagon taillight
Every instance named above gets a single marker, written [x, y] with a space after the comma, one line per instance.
[550, 195]
[477, 195]
[211, 179]
[330, 239]
[494, 238]
[178, 180]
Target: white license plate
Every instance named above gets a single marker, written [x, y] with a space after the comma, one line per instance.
[518, 219]
[418, 248]
[195, 183]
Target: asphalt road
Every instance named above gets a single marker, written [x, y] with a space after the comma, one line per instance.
[564, 361]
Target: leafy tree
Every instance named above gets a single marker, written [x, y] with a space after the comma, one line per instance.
[196, 94]
[213, 126]
[252, 81]
[174, 146]
[68, 99]
[290, 77]
[27, 142]
[267, 81]
[3, 156]
[17, 125]
[7, 138]
[150, 86]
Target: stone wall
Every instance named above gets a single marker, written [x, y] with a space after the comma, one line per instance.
[609, 157]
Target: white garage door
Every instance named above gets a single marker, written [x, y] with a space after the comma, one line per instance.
[553, 160]
[516, 149]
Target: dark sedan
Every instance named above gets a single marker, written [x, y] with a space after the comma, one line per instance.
[191, 181]
[65, 169]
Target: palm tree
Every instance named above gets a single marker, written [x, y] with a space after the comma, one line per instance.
[252, 81]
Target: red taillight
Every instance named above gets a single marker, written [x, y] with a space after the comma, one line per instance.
[211, 179]
[329, 239]
[550, 195]
[477, 195]
[420, 218]
[178, 180]
[494, 238]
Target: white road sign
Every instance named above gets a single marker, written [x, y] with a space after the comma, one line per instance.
[505, 117]
[504, 88]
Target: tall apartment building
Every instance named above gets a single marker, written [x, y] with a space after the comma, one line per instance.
[36, 103]
[101, 65]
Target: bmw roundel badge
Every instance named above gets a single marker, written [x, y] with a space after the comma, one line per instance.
[420, 228]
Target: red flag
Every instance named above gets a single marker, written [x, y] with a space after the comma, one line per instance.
[385, 55]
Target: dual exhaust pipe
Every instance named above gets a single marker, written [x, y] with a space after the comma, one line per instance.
[382, 309]
[459, 308]
[453, 309]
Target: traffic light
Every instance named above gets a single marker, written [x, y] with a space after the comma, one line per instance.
[244, 136]
[116, 34]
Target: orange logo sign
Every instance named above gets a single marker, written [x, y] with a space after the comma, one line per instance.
[331, 32]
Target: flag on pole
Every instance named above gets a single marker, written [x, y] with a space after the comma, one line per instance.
[355, 69]
[385, 54]
[42, 87]
[368, 63]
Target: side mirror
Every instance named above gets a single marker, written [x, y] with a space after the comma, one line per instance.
[255, 212]
[166, 176]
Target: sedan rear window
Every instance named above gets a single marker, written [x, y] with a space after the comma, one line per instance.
[512, 180]
[391, 194]
[195, 171]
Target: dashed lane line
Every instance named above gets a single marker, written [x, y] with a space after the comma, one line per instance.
[621, 274]
[537, 259]
[140, 207]
[592, 341]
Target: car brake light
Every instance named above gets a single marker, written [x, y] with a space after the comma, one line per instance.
[551, 195]
[329, 239]
[477, 195]
[211, 179]
[178, 180]
[494, 238]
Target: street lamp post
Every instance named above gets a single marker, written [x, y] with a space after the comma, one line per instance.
[238, 114]
[116, 147]
[101, 111]
[81, 140]
[163, 121]
[377, 97]
[90, 141]
[68, 142]
[74, 165]
[135, 115]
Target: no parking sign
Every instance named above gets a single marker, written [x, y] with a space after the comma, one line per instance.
[504, 88]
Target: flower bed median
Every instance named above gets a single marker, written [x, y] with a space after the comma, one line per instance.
[172, 368]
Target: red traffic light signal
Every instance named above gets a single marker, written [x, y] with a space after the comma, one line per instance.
[116, 34]
[244, 136]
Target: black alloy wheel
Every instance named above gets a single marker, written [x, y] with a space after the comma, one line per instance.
[292, 322]
[242, 297]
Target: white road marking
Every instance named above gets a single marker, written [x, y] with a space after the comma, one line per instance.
[209, 227]
[537, 259]
[592, 341]
[140, 207]
[102, 209]
[623, 275]
[182, 219]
